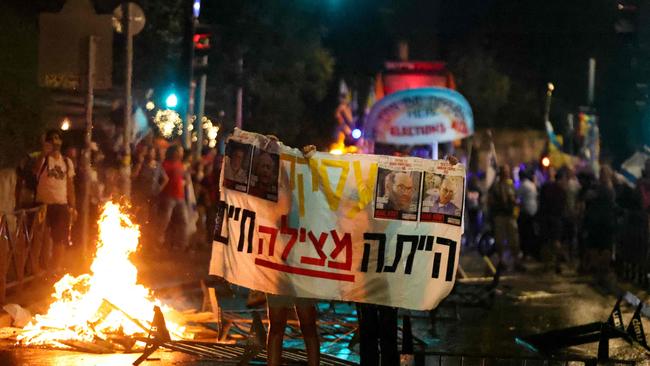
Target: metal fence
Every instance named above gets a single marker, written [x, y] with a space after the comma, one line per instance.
[24, 247]
[447, 359]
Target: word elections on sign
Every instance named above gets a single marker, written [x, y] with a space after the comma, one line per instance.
[417, 130]
[418, 243]
[333, 191]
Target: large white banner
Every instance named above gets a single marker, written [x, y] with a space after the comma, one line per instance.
[365, 228]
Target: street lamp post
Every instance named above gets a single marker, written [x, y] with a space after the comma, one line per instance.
[549, 94]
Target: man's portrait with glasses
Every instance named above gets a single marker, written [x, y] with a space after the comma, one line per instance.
[397, 197]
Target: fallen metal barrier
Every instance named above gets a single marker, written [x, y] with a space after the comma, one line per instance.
[601, 332]
[253, 352]
[24, 245]
[450, 359]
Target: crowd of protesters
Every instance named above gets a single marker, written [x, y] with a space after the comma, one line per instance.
[166, 185]
[595, 222]
[590, 220]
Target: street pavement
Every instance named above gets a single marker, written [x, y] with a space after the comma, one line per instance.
[524, 303]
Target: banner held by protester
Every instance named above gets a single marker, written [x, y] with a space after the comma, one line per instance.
[365, 228]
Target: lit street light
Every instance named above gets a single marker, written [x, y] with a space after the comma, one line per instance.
[549, 94]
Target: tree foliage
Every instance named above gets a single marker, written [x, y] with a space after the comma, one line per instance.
[479, 79]
[21, 100]
[286, 70]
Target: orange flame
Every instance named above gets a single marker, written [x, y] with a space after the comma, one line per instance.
[80, 312]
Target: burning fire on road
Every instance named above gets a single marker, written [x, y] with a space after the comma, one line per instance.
[106, 304]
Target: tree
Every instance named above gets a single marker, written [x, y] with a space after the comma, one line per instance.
[21, 100]
[478, 77]
[286, 70]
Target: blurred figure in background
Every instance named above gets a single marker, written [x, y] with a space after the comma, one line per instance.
[148, 180]
[502, 204]
[474, 211]
[527, 225]
[571, 214]
[600, 225]
[172, 198]
[552, 205]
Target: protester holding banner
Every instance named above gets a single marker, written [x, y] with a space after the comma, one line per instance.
[278, 306]
[378, 323]
[325, 236]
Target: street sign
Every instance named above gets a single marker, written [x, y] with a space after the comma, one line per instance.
[136, 18]
[63, 47]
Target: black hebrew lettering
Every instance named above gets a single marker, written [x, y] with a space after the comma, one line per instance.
[413, 239]
[414, 246]
[398, 256]
[219, 222]
[435, 273]
[231, 211]
[381, 238]
[451, 259]
[246, 216]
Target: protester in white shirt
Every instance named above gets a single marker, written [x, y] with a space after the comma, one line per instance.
[55, 189]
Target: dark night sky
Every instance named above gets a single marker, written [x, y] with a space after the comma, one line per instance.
[533, 42]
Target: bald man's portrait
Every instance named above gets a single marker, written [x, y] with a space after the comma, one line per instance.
[397, 194]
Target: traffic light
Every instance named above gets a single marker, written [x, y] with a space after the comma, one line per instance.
[171, 101]
[201, 48]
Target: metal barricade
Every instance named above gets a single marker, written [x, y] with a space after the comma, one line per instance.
[449, 359]
[24, 247]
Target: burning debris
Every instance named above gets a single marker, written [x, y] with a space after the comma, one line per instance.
[103, 310]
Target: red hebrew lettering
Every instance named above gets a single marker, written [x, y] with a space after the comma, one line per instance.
[285, 229]
[274, 234]
[341, 243]
[318, 244]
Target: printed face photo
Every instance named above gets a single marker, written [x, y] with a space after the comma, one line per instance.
[265, 175]
[443, 197]
[397, 194]
[237, 166]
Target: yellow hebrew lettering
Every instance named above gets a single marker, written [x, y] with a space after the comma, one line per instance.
[292, 168]
[313, 167]
[365, 188]
[301, 196]
[333, 197]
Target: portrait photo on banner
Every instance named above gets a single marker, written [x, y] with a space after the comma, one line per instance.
[264, 175]
[397, 194]
[236, 168]
[442, 198]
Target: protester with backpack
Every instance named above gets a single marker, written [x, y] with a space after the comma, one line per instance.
[55, 189]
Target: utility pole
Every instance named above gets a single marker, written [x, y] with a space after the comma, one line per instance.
[592, 82]
[240, 94]
[201, 110]
[128, 106]
[90, 100]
